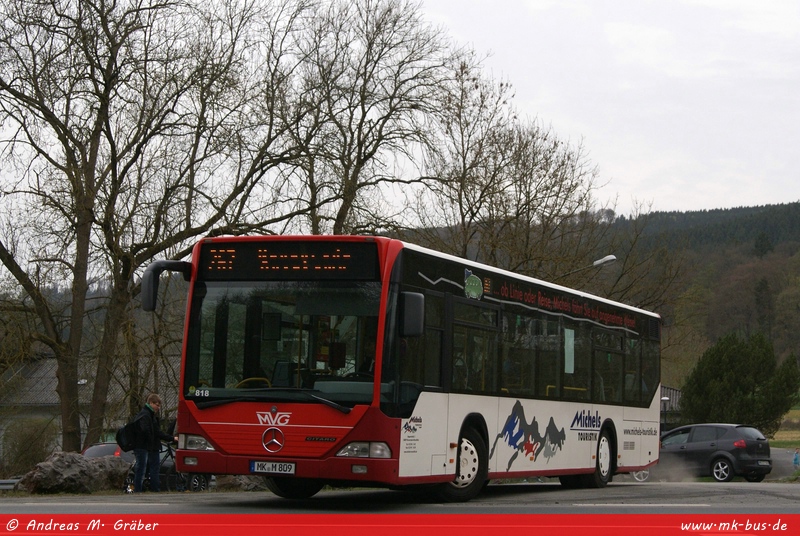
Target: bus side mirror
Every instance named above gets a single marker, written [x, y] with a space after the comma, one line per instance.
[412, 314]
[150, 279]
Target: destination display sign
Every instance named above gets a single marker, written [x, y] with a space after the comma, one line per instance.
[288, 260]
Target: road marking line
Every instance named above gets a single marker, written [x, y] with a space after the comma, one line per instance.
[658, 505]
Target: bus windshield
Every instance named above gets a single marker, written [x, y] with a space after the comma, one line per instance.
[282, 340]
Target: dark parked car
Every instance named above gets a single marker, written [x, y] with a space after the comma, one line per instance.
[719, 450]
[99, 450]
[170, 479]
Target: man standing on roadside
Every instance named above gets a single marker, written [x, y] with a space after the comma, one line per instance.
[147, 446]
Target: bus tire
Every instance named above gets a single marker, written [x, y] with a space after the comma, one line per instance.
[603, 468]
[472, 471]
[293, 488]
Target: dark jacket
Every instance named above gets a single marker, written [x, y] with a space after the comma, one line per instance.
[148, 432]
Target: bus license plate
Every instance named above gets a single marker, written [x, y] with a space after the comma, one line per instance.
[281, 468]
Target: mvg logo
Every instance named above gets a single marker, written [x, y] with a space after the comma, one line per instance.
[272, 419]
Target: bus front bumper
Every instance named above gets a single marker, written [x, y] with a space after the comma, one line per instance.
[332, 469]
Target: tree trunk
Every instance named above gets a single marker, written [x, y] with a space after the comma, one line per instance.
[68, 361]
[67, 389]
[107, 359]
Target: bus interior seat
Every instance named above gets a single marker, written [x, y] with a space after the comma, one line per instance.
[630, 386]
[284, 373]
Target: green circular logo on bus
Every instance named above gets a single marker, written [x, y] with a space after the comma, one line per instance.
[473, 288]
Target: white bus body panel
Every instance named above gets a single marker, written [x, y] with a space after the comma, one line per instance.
[423, 438]
[524, 436]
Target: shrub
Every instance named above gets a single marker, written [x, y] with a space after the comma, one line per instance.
[27, 442]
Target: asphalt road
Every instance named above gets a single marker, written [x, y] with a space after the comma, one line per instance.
[781, 463]
[623, 496]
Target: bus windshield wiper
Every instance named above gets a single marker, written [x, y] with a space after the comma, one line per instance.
[203, 404]
[331, 403]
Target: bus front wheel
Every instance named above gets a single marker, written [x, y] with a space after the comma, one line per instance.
[471, 469]
[293, 488]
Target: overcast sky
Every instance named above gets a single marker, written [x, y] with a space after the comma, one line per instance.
[687, 105]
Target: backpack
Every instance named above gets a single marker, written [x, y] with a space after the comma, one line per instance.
[126, 436]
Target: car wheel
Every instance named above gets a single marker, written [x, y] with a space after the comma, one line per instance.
[754, 478]
[641, 476]
[721, 470]
[128, 486]
[197, 482]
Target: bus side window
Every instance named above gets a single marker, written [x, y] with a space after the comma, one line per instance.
[548, 358]
[650, 372]
[517, 355]
[577, 362]
[633, 380]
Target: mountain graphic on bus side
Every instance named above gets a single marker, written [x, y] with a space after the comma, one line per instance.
[525, 439]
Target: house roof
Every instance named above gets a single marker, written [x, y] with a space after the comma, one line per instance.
[33, 384]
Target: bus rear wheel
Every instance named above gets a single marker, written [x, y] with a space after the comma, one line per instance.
[293, 488]
[471, 469]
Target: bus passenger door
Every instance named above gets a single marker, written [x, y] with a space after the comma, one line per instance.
[474, 362]
[474, 358]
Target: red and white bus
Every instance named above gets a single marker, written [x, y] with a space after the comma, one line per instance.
[367, 361]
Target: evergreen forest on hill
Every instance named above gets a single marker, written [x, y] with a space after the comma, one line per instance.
[741, 274]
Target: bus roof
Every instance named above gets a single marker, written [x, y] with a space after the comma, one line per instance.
[482, 266]
[439, 254]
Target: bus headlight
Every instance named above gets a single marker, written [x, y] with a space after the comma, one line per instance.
[193, 442]
[365, 449]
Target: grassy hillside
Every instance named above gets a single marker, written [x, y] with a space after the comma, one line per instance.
[789, 434]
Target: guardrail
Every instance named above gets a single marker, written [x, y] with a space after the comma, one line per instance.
[8, 485]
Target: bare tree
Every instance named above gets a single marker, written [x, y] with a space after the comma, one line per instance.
[508, 192]
[369, 69]
[135, 127]
[545, 222]
[467, 164]
[511, 193]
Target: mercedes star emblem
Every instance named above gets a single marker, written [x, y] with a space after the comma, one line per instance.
[273, 440]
